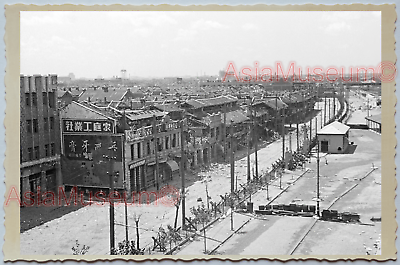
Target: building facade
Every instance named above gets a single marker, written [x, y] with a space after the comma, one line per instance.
[39, 134]
[152, 154]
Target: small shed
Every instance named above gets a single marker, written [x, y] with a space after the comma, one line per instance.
[334, 138]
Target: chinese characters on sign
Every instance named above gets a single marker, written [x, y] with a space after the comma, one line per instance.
[132, 135]
[84, 147]
[86, 126]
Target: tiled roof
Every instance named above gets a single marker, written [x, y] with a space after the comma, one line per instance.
[334, 128]
[275, 103]
[168, 107]
[143, 114]
[113, 94]
[235, 117]
[200, 103]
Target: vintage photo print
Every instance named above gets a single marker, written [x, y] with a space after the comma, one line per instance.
[183, 132]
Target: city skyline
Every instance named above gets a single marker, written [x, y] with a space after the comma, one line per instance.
[160, 44]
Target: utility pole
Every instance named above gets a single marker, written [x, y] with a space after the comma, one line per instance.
[317, 175]
[110, 195]
[325, 110]
[232, 173]
[329, 108]
[248, 153]
[283, 137]
[182, 166]
[155, 135]
[255, 143]
[276, 111]
[126, 205]
[334, 106]
[310, 133]
[225, 144]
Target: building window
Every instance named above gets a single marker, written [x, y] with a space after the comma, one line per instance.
[53, 150]
[35, 126]
[51, 100]
[36, 152]
[159, 144]
[212, 132]
[51, 123]
[174, 140]
[152, 144]
[148, 148]
[27, 99]
[167, 142]
[138, 151]
[217, 133]
[29, 126]
[46, 124]
[46, 150]
[44, 98]
[132, 152]
[34, 99]
[30, 154]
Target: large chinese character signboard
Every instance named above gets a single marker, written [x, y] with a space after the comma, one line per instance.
[91, 153]
[88, 126]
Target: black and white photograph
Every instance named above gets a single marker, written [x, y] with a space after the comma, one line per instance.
[201, 133]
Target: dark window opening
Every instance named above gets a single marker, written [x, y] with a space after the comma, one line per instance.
[29, 126]
[53, 150]
[44, 98]
[174, 140]
[51, 123]
[35, 126]
[51, 100]
[148, 148]
[46, 150]
[167, 142]
[46, 124]
[34, 99]
[27, 99]
[30, 154]
[132, 152]
[138, 150]
[36, 152]
[159, 144]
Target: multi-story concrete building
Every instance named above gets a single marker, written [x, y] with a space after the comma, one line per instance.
[39, 134]
[152, 152]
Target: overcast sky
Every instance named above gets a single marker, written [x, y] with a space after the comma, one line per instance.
[92, 44]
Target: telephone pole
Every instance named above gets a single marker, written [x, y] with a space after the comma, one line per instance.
[283, 137]
[316, 137]
[255, 143]
[232, 173]
[182, 165]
